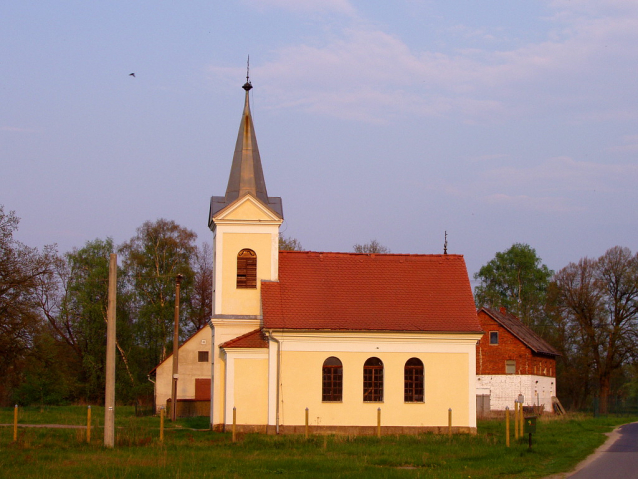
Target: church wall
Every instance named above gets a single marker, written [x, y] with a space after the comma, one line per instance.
[251, 390]
[448, 361]
[225, 330]
[301, 388]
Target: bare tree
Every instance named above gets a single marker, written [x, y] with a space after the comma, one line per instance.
[372, 247]
[22, 269]
[598, 300]
[200, 308]
[289, 244]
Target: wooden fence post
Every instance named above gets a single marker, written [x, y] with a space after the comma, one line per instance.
[162, 413]
[507, 426]
[88, 425]
[234, 424]
[379, 422]
[306, 423]
[15, 423]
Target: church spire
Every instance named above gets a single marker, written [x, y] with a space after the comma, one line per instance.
[246, 174]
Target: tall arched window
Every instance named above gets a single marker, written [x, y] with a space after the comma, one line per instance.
[332, 380]
[246, 269]
[373, 380]
[413, 382]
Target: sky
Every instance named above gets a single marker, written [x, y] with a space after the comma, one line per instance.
[499, 122]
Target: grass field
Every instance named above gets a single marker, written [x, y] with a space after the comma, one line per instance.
[191, 451]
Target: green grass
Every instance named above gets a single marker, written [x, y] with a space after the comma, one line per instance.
[186, 453]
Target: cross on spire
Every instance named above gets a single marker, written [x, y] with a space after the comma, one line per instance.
[247, 86]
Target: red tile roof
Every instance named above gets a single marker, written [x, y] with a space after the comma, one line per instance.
[382, 292]
[254, 339]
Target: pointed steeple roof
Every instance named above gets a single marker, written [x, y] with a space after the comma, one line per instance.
[246, 174]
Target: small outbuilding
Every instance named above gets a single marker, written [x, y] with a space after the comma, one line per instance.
[512, 362]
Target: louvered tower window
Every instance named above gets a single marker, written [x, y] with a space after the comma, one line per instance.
[373, 380]
[332, 379]
[413, 381]
[246, 269]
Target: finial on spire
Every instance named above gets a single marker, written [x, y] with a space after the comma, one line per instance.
[247, 86]
[445, 244]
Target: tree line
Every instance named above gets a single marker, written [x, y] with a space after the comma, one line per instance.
[588, 311]
[53, 311]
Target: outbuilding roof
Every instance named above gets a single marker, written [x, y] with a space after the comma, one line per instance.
[522, 332]
[370, 292]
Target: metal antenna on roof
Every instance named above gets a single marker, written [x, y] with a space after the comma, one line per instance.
[445, 244]
[247, 86]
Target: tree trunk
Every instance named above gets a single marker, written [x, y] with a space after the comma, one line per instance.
[604, 393]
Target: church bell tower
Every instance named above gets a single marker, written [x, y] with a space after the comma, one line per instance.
[245, 224]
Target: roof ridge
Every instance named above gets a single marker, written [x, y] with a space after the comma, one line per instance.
[351, 253]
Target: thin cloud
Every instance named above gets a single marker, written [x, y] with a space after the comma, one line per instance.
[546, 204]
[565, 174]
[366, 74]
[306, 6]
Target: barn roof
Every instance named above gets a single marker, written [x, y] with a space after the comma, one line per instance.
[522, 332]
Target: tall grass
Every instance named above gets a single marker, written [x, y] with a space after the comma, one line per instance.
[559, 444]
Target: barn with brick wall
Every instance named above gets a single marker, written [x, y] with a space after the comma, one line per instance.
[512, 360]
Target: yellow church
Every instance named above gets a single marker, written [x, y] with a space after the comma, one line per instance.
[342, 340]
[345, 339]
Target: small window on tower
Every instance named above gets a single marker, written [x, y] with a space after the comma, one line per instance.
[202, 356]
[494, 337]
[246, 269]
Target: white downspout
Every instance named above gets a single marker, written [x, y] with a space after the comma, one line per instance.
[270, 336]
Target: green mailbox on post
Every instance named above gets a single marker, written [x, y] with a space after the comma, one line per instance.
[530, 425]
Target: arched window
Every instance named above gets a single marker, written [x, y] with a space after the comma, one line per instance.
[332, 389]
[246, 269]
[373, 380]
[413, 381]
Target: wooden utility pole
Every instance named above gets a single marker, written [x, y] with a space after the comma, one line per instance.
[178, 281]
[109, 396]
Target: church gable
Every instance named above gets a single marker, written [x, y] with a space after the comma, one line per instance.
[247, 209]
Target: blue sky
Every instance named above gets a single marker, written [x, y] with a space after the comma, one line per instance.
[497, 121]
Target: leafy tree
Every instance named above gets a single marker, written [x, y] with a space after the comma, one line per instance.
[22, 270]
[372, 247]
[44, 375]
[76, 310]
[152, 259]
[289, 244]
[598, 301]
[517, 280]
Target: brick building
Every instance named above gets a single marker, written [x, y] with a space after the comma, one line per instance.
[512, 360]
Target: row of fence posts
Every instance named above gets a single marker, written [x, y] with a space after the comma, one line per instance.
[518, 423]
[88, 424]
[307, 427]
